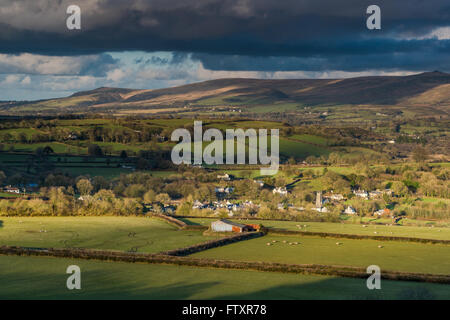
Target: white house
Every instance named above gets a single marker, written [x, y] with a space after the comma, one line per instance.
[225, 177]
[11, 189]
[336, 196]
[280, 190]
[361, 193]
[227, 190]
[350, 210]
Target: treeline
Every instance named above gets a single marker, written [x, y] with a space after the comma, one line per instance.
[119, 131]
[60, 203]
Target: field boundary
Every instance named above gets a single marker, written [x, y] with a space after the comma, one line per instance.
[330, 270]
[178, 223]
[170, 220]
[212, 244]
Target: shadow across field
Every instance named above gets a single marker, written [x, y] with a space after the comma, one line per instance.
[107, 285]
[346, 289]
[190, 222]
[1, 224]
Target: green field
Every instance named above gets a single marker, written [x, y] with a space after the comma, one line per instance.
[95, 171]
[311, 139]
[297, 149]
[111, 233]
[394, 256]
[347, 228]
[118, 280]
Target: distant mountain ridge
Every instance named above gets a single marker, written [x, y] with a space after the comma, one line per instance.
[429, 88]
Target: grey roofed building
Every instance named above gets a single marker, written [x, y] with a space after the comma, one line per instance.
[224, 225]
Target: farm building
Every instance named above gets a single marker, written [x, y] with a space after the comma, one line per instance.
[11, 189]
[224, 225]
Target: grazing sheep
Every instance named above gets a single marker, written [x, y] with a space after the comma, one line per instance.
[380, 246]
[269, 244]
[338, 243]
[375, 232]
[274, 241]
[364, 226]
[284, 241]
[295, 242]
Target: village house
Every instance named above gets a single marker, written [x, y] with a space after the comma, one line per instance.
[375, 194]
[361, 194]
[321, 209]
[334, 196]
[72, 136]
[168, 209]
[382, 212]
[225, 177]
[11, 189]
[350, 210]
[280, 190]
[227, 190]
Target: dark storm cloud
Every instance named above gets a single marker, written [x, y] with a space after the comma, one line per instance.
[235, 34]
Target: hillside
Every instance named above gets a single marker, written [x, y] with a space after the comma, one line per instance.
[425, 89]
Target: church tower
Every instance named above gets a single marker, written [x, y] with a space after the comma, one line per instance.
[319, 199]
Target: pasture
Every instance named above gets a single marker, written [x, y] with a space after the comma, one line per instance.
[109, 233]
[119, 280]
[392, 256]
[346, 228]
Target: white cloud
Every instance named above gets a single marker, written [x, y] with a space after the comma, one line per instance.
[116, 75]
[441, 33]
[11, 79]
[27, 63]
[26, 80]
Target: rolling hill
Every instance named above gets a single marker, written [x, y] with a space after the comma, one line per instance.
[425, 89]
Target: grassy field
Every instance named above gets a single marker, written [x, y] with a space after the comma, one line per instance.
[112, 233]
[117, 280]
[393, 256]
[94, 171]
[348, 228]
[298, 149]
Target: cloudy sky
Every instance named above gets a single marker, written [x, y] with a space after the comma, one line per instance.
[160, 43]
